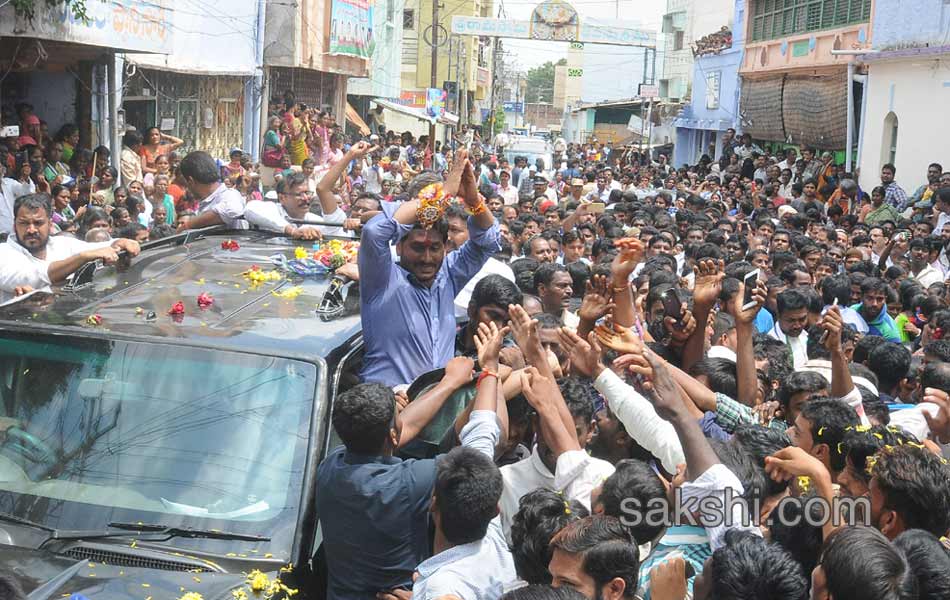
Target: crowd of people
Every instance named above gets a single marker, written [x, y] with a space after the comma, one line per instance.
[609, 379]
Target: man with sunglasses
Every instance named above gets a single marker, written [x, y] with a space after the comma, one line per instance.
[293, 203]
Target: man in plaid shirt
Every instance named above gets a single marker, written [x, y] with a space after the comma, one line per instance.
[893, 193]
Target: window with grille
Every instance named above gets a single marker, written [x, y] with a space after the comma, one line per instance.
[778, 18]
[409, 19]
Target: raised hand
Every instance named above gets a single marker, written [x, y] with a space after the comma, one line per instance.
[630, 254]
[458, 371]
[619, 338]
[538, 390]
[659, 385]
[488, 340]
[585, 354]
[759, 295]
[708, 285]
[681, 331]
[359, 149]
[468, 186]
[766, 411]
[525, 331]
[833, 324]
[597, 300]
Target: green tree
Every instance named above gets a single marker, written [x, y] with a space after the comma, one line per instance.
[27, 8]
[499, 118]
[540, 81]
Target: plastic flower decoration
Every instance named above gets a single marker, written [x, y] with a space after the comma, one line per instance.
[263, 586]
[177, 308]
[336, 253]
[230, 245]
[257, 276]
[289, 293]
[258, 581]
[205, 300]
[300, 253]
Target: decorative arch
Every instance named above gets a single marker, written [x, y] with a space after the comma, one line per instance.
[555, 20]
[889, 139]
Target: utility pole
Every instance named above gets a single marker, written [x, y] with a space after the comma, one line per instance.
[434, 77]
[494, 84]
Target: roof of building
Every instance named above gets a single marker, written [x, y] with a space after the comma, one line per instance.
[244, 316]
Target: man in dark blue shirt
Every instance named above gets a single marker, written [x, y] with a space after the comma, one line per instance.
[374, 507]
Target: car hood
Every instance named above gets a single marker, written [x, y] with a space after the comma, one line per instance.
[43, 575]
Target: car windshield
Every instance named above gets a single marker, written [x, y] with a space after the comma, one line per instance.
[531, 155]
[94, 431]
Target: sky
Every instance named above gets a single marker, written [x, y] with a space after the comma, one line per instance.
[529, 53]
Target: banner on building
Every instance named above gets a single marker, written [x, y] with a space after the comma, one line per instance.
[435, 103]
[592, 30]
[130, 25]
[351, 28]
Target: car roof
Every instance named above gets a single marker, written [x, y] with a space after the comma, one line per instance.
[244, 316]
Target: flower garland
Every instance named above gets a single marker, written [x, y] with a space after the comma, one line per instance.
[432, 205]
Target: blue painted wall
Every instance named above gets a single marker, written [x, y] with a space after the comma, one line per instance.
[907, 23]
[696, 121]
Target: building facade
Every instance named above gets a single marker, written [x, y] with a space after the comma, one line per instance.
[795, 78]
[685, 22]
[385, 65]
[71, 71]
[465, 63]
[908, 88]
[299, 57]
[198, 90]
[714, 103]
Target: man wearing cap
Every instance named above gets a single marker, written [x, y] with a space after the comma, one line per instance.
[508, 192]
[541, 188]
[576, 190]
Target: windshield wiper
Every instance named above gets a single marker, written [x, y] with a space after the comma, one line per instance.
[60, 534]
[21, 521]
[188, 532]
[154, 533]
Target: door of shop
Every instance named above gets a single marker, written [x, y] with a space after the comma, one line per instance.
[140, 112]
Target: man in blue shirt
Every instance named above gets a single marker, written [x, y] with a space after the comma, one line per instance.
[407, 308]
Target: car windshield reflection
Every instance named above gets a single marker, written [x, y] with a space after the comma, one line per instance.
[95, 431]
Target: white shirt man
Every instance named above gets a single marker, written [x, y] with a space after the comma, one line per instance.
[577, 474]
[10, 190]
[31, 259]
[508, 192]
[19, 268]
[273, 217]
[373, 176]
[228, 204]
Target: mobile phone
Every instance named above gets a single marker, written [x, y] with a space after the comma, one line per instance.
[748, 296]
[10, 131]
[596, 207]
[672, 306]
[824, 335]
